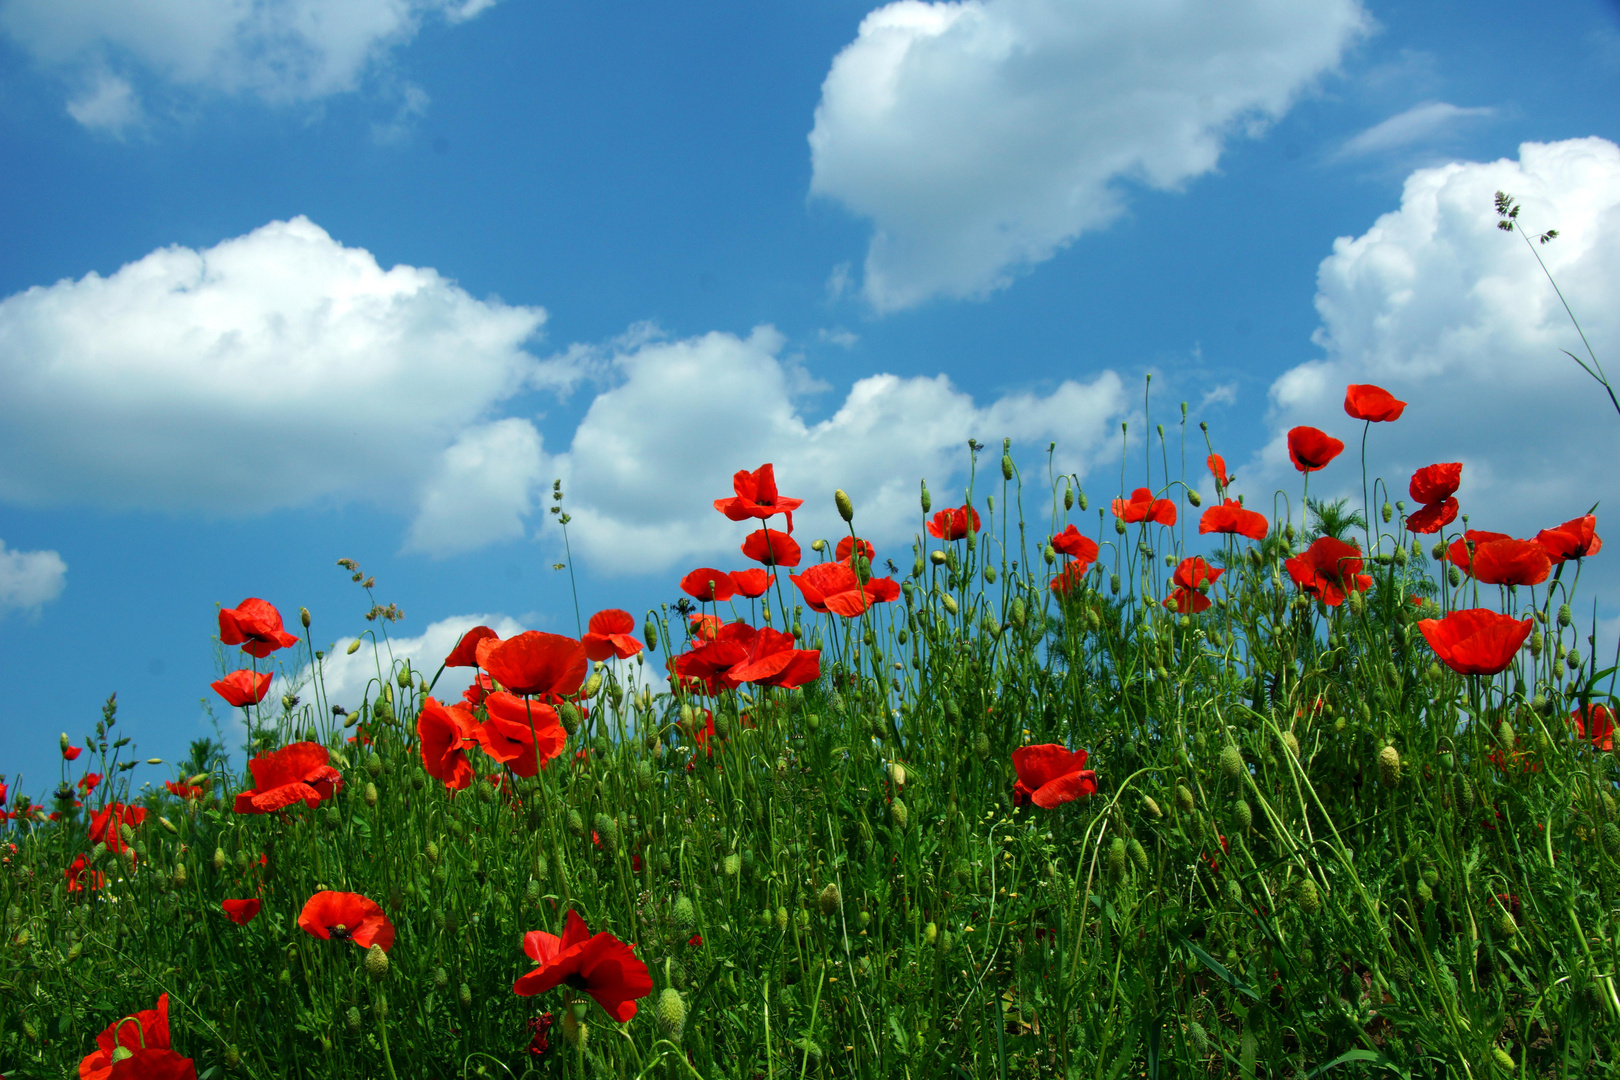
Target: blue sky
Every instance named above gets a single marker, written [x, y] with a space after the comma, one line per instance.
[312, 279]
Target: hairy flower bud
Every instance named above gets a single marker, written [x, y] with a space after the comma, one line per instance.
[1389, 766]
[1151, 808]
[1184, 799]
[371, 795]
[927, 503]
[1307, 896]
[650, 632]
[733, 864]
[1138, 854]
[1231, 761]
[376, 963]
[1242, 815]
[901, 816]
[828, 900]
[219, 860]
[684, 914]
[846, 509]
[981, 746]
[671, 1012]
[1116, 856]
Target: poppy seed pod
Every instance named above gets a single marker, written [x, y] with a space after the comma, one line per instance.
[1389, 766]
[846, 509]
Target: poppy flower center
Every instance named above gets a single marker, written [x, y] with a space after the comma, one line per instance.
[340, 932]
[576, 981]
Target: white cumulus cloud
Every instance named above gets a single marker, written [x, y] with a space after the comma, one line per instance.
[482, 489]
[279, 50]
[274, 370]
[657, 448]
[1439, 306]
[29, 579]
[982, 136]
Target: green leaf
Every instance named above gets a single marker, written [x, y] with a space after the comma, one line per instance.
[1357, 1055]
[1220, 970]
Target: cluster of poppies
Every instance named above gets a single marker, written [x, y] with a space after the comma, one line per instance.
[256, 626]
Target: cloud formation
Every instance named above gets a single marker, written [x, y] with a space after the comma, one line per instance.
[658, 446]
[981, 137]
[29, 579]
[1439, 306]
[278, 50]
[274, 370]
[1417, 124]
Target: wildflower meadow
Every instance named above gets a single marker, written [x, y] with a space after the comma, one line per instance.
[1044, 794]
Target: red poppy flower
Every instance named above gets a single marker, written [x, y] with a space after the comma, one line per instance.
[241, 912]
[77, 873]
[1231, 517]
[612, 633]
[347, 916]
[1476, 641]
[771, 547]
[1072, 578]
[757, 497]
[298, 771]
[1310, 449]
[1217, 469]
[446, 734]
[482, 686]
[145, 1035]
[1328, 570]
[520, 733]
[1363, 401]
[1595, 726]
[772, 660]
[836, 588]
[751, 583]
[1050, 775]
[1432, 517]
[1511, 562]
[256, 626]
[1574, 539]
[1144, 507]
[242, 688]
[1078, 546]
[708, 585]
[1188, 597]
[602, 966]
[465, 654]
[71, 753]
[186, 791]
[87, 783]
[709, 663]
[1436, 483]
[106, 824]
[537, 663]
[954, 524]
[847, 547]
[705, 627]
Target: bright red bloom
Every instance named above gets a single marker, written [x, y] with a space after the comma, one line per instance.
[836, 588]
[757, 497]
[772, 660]
[1595, 726]
[1574, 539]
[1231, 517]
[705, 627]
[1432, 517]
[1144, 507]
[241, 912]
[1078, 546]
[76, 874]
[537, 663]
[847, 547]
[106, 824]
[708, 585]
[602, 966]
[1460, 551]
[241, 688]
[87, 783]
[710, 662]
[751, 583]
[1328, 570]
[1310, 449]
[71, 753]
[1511, 562]
[520, 733]
[612, 633]
[1364, 401]
[145, 1035]
[465, 654]
[954, 524]
[446, 733]
[771, 547]
[1217, 469]
[187, 791]
[1072, 578]
[1436, 483]
[300, 771]
[1192, 579]
[1049, 775]
[347, 916]
[1476, 641]
[256, 626]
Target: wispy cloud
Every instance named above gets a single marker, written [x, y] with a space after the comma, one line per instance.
[1421, 123]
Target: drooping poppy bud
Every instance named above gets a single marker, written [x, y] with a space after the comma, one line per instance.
[846, 509]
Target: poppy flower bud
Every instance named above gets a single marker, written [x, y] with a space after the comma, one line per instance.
[846, 509]
[1307, 896]
[576, 823]
[1503, 1061]
[1082, 500]
[781, 918]
[1506, 925]
[1006, 467]
[1573, 660]
[930, 932]
[1194, 498]
[828, 900]
[1231, 762]
[937, 558]
[568, 716]
[354, 647]
[899, 813]
[1537, 643]
[432, 852]
[1563, 620]
[371, 795]
[1389, 766]
[671, 1014]
[66, 743]
[1454, 576]
[1506, 735]
[608, 831]
[1150, 807]
[927, 503]
[219, 860]
[733, 864]
[1068, 495]
[1609, 835]
[1290, 742]
[376, 963]
[981, 746]
[1137, 854]
[179, 878]
[1388, 513]
[1184, 799]
[1119, 526]
[684, 914]
[1116, 856]
[1243, 815]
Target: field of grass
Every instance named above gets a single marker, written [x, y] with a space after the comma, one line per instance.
[1312, 832]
